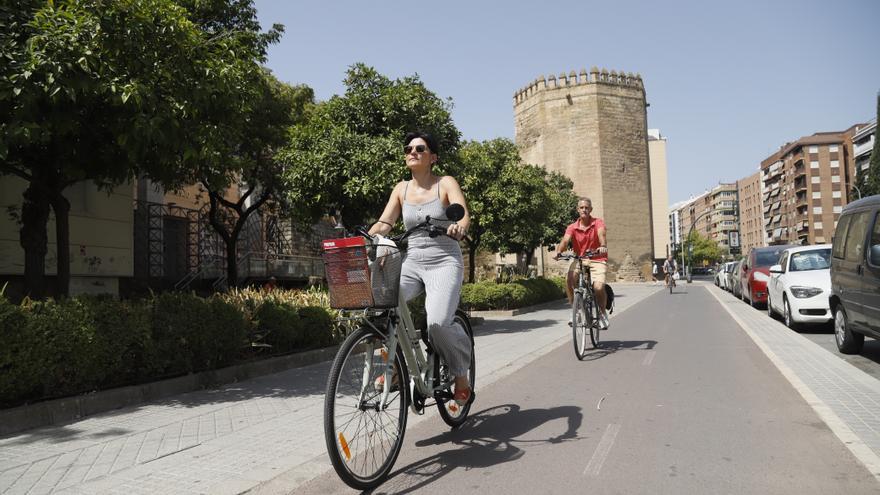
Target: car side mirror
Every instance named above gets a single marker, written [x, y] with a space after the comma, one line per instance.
[776, 269]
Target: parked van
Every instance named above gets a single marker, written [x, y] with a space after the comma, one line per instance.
[855, 275]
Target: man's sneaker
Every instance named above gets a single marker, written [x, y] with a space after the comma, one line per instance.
[569, 322]
[603, 321]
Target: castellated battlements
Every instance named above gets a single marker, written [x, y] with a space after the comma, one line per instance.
[596, 76]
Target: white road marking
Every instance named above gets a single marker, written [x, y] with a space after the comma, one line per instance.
[648, 358]
[602, 451]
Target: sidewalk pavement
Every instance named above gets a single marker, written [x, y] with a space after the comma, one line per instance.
[265, 435]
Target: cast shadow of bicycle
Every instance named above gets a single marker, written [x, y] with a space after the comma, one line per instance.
[607, 347]
[488, 438]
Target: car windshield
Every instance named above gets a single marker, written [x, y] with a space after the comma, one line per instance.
[767, 258]
[819, 259]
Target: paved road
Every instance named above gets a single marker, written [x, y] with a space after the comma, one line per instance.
[679, 400]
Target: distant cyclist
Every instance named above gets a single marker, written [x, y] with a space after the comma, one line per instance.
[670, 267]
[587, 233]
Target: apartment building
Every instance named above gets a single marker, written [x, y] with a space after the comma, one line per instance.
[751, 212]
[805, 187]
[863, 145]
[711, 214]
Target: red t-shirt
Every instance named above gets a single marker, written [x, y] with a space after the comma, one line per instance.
[586, 238]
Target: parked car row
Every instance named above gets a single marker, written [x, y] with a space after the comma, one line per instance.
[817, 284]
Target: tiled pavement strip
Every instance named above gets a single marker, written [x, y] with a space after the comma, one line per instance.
[266, 434]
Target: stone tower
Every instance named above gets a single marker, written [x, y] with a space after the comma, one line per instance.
[593, 129]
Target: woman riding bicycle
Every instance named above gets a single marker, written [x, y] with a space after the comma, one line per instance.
[432, 264]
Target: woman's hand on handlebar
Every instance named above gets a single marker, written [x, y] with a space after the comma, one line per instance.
[456, 231]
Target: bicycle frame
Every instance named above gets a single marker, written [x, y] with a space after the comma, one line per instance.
[400, 332]
[584, 286]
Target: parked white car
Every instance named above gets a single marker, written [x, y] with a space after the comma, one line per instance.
[800, 284]
[722, 275]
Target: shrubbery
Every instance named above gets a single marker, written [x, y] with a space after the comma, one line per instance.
[52, 349]
[61, 348]
[525, 292]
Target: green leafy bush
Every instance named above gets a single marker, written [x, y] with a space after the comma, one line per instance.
[488, 295]
[280, 325]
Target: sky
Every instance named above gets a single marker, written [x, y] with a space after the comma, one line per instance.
[728, 83]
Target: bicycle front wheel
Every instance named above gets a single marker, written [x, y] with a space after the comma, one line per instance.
[363, 433]
[579, 323]
[593, 315]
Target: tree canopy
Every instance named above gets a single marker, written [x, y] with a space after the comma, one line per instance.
[348, 155]
[101, 91]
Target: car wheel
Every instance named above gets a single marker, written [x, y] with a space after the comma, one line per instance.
[770, 312]
[786, 314]
[848, 342]
[752, 302]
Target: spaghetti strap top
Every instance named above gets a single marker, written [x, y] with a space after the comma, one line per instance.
[421, 246]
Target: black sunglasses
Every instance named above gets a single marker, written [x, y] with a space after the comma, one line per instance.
[420, 148]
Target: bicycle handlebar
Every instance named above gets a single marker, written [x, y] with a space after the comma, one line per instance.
[432, 229]
[588, 254]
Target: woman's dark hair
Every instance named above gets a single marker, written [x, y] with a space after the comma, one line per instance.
[429, 139]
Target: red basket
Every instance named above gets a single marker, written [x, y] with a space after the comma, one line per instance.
[361, 275]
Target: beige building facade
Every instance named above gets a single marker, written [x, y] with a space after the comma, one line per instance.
[751, 212]
[101, 241]
[711, 214]
[659, 192]
[593, 129]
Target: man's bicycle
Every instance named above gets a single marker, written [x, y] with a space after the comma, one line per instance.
[385, 364]
[584, 311]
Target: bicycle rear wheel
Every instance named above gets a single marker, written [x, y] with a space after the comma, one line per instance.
[453, 414]
[364, 436]
[593, 316]
[579, 322]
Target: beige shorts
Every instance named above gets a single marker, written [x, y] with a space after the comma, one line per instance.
[597, 269]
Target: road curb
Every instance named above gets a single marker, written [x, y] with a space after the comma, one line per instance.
[68, 409]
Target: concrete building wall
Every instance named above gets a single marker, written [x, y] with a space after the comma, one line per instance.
[101, 240]
[593, 129]
[659, 192]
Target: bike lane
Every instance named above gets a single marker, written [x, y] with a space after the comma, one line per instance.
[679, 400]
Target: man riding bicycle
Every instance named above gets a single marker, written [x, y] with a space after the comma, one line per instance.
[670, 267]
[587, 233]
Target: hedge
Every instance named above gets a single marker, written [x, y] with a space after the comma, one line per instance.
[60, 348]
[488, 295]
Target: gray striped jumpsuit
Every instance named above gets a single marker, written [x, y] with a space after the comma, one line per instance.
[434, 265]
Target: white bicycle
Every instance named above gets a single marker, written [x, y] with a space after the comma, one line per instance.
[385, 364]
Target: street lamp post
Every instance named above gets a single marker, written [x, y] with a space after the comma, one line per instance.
[688, 238]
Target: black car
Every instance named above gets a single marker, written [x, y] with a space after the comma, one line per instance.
[855, 275]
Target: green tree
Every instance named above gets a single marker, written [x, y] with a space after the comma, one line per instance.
[868, 181]
[348, 155]
[701, 249]
[101, 91]
[514, 207]
[478, 168]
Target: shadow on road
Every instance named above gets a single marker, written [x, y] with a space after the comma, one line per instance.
[490, 327]
[485, 440]
[607, 347]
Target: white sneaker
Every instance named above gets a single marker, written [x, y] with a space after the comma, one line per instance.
[569, 322]
[603, 321]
